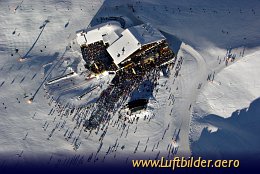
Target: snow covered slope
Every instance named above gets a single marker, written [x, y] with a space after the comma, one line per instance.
[229, 98]
[44, 32]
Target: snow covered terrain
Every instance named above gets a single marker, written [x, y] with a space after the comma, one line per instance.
[197, 104]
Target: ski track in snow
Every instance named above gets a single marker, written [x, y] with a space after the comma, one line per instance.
[25, 128]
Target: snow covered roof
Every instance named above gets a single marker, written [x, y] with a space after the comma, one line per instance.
[146, 34]
[108, 32]
[123, 47]
[132, 39]
[122, 43]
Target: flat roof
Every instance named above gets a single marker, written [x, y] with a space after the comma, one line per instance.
[108, 32]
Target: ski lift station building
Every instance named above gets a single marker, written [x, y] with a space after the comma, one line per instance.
[109, 40]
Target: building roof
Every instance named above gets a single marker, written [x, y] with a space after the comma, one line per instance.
[132, 39]
[146, 34]
[123, 47]
[122, 43]
[108, 32]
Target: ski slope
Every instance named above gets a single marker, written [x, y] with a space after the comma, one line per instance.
[43, 34]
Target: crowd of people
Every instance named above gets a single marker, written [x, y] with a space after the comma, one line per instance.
[97, 58]
[127, 79]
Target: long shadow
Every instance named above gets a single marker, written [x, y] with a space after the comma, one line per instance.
[143, 91]
[174, 42]
[236, 137]
[46, 76]
[49, 73]
[42, 28]
[123, 14]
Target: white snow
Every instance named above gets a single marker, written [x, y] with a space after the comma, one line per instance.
[206, 29]
[126, 45]
[132, 39]
[107, 32]
[122, 43]
[146, 34]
